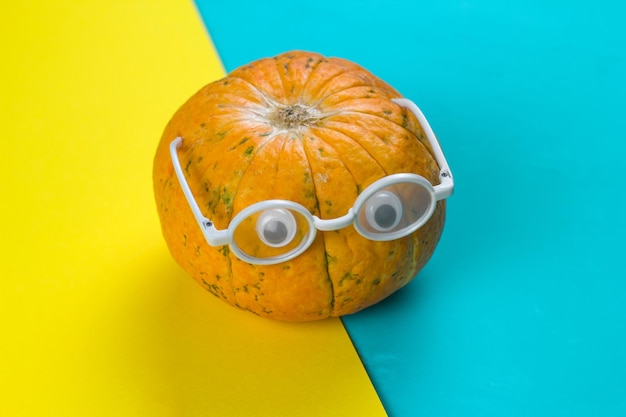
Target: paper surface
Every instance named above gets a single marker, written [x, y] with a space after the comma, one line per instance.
[95, 317]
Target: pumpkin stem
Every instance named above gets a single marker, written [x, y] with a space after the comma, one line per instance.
[293, 117]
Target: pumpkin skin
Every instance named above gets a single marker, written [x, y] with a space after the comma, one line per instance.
[305, 128]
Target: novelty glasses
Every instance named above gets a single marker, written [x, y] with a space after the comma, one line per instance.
[274, 231]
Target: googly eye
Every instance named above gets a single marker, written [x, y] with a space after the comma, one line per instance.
[394, 207]
[276, 227]
[383, 211]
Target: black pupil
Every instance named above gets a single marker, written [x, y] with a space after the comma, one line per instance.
[385, 216]
[275, 232]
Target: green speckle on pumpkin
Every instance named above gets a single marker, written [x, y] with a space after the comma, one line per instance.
[215, 198]
[227, 197]
[241, 142]
[224, 250]
[330, 259]
[248, 150]
[405, 121]
[214, 289]
[347, 276]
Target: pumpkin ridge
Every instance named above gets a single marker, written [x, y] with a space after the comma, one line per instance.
[335, 276]
[379, 117]
[227, 100]
[205, 173]
[340, 105]
[413, 134]
[321, 89]
[196, 264]
[345, 166]
[356, 182]
[188, 157]
[331, 306]
[253, 155]
[305, 86]
[411, 243]
[360, 144]
[227, 143]
[329, 275]
[207, 168]
[368, 114]
[317, 205]
[264, 96]
[282, 78]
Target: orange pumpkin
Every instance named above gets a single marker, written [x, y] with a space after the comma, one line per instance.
[309, 129]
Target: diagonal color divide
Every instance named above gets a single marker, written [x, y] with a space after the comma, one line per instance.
[96, 318]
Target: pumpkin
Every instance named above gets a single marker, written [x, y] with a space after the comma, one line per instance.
[309, 129]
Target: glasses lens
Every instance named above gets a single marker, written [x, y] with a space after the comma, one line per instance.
[395, 210]
[272, 233]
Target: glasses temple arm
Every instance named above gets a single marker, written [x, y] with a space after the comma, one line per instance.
[213, 236]
[446, 186]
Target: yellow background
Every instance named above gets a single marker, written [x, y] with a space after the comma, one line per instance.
[95, 317]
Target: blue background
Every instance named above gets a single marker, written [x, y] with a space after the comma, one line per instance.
[522, 310]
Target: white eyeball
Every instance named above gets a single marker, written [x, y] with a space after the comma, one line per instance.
[383, 211]
[276, 227]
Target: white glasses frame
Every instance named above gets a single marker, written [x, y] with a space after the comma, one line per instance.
[215, 237]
